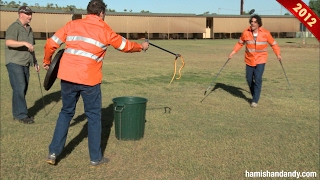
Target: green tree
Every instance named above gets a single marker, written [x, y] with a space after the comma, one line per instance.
[110, 10]
[71, 8]
[143, 11]
[315, 6]
[13, 4]
[49, 5]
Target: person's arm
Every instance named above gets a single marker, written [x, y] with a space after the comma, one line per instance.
[124, 45]
[274, 45]
[52, 45]
[237, 46]
[16, 44]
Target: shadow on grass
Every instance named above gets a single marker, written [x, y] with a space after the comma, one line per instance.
[41, 103]
[235, 91]
[106, 122]
[166, 109]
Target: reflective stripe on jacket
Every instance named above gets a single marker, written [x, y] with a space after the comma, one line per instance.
[256, 51]
[86, 41]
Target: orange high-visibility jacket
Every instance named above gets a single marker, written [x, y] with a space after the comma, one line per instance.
[86, 41]
[256, 51]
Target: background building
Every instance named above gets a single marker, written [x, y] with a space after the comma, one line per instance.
[158, 26]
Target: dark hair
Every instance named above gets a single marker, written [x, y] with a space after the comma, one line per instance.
[96, 7]
[258, 18]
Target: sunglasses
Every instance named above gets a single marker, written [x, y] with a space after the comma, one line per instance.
[27, 13]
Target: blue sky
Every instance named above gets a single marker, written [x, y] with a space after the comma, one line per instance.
[232, 7]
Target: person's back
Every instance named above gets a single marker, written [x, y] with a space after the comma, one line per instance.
[85, 46]
[86, 43]
[80, 71]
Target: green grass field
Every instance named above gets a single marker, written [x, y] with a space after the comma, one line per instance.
[221, 137]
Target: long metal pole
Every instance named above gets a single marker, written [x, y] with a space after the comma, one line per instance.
[285, 73]
[177, 55]
[147, 40]
[41, 91]
[205, 92]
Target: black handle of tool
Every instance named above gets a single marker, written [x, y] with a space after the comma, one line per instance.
[177, 55]
[147, 40]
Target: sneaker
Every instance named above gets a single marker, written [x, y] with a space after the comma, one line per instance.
[27, 120]
[51, 159]
[102, 161]
[253, 104]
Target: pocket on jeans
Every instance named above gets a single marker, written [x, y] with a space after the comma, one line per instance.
[66, 87]
[89, 90]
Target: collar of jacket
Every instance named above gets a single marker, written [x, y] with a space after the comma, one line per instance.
[259, 29]
[92, 16]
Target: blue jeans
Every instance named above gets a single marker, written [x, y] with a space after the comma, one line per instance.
[254, 80]
[19, 80]
[91, 96]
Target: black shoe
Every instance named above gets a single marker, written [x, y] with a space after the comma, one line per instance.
[102, 161]
[27, 120]
[30, 117]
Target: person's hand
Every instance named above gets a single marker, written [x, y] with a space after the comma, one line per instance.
[231, 54]
[279, 57]
[145, 46]
[45, 66]
[29, 46]
[37, 67]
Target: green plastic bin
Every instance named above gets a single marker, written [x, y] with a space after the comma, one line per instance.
[129, 117]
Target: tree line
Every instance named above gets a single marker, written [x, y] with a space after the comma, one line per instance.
[313, 4]
[51, 6]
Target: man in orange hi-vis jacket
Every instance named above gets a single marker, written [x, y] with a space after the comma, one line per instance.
[256, 40]
[80, 70]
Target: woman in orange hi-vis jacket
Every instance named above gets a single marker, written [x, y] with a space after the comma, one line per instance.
[256, 40]
[80, 70]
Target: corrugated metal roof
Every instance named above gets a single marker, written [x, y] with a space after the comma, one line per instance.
[83, 12]
[149, 14]
[241, 16]
[36, 10]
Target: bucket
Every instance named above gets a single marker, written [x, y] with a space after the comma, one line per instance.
[129, 117]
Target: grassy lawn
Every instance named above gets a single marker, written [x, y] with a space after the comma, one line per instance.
[218, 138]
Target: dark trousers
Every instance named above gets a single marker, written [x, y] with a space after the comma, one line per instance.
[91, 96]
[19, 80]
[254, 80]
